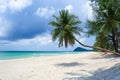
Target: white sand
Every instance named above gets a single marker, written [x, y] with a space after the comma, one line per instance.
[88, 66]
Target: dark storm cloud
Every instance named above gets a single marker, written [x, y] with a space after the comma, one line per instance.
[26, 24]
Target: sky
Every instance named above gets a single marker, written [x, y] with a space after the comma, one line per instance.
[24, 23]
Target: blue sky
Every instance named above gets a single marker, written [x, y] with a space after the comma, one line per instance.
[24, 23]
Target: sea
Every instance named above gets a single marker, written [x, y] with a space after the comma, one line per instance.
[8, 55]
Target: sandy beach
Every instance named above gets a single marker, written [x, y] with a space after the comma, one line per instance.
[87, 66]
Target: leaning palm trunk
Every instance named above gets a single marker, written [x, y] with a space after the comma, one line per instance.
[115, 39]
[65, 26]
[98, 48]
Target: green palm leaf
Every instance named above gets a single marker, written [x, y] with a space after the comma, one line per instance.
[65, 28]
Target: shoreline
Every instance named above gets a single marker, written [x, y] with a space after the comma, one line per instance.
[46, 55]
[59, 67]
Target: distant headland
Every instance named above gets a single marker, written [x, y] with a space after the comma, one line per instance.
[80, 49]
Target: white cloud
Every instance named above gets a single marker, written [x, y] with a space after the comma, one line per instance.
[5, 42]
[88, 9]
[45, 12]
[18, 5]
[3, 5]
[4, 27]
[69, 8]
[44, 39]
[14, 5]
[2, 8]
[41, 40]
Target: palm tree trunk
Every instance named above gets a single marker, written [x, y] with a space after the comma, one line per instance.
[98, 48]
[116, 43]
[115, 39]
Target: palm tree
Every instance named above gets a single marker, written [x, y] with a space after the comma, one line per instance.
[65, 28]
[103, 42]
[107, 20]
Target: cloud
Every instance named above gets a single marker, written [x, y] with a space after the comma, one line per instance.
[35, 43]
[4, 26]
[69, 8]
[23, 25]
[3, 5]
[33, 20]
[2, 8]
[45, 12]
[23, 22]
[43, 39]
[18, 5]
[14, 5]
[4, 42]
[87, 9]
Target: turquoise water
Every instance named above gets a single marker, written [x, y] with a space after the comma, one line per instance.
[7, 55]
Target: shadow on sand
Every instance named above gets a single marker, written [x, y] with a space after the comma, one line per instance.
[111, 56]
[109, 74]
[71, 64]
